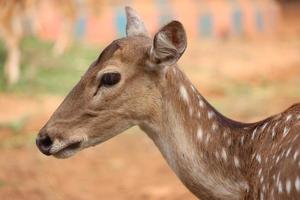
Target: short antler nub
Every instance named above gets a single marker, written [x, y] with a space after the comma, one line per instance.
[135, 26]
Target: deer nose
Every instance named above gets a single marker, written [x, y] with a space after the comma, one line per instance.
[44, 143]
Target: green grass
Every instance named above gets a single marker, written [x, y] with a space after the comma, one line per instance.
[44, 72]
[16, 125]
[18, 141]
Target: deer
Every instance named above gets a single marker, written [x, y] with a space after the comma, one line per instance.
[11, 33]
[136, 81]
[12, 30]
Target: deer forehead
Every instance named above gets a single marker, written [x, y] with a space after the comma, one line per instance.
[133, 49]
[125, 54]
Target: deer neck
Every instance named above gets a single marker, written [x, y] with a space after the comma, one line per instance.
[200, 145]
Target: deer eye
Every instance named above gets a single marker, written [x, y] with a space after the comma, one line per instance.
[110, 79]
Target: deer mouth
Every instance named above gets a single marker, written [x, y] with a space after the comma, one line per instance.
[68, 150]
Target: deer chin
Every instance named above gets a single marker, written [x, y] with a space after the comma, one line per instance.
[66, 149]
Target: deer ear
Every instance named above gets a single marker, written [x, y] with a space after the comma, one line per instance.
[169, 44]
[135, 26]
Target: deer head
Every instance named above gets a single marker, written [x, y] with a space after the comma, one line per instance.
[121, 89]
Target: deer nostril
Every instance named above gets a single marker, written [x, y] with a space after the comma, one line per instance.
[44, 143]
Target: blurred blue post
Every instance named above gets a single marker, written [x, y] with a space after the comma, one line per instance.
[206, 24]
[259, 20]
[120, 19]
[237, 18]
[165, 11]
[80, 24]
[120, 22]
[205, 20]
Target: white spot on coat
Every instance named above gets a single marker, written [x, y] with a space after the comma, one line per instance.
[288, 118]
[174, 70]
[259, 171]
[258, 158]
[288, 152]
[285, 131]
[297, 184]
[296, 155]
[253, 134]
[224, 154]
[200, 134]
[207, 139]
[277, 159]
[224, 134]
[279, 186]
[261, 179]
[264, 126]
[214, 126]
[273, 130]
[201, 103]
[242, 139]
[236, 161]
[184, 93]
[261, 196]
[210, 114]
[288, 186]
[193, 88]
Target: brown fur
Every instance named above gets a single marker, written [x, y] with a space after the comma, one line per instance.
[215, 157]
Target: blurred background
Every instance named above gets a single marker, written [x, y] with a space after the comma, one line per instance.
[243, 56]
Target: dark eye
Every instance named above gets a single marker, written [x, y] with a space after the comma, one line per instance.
[110, 79]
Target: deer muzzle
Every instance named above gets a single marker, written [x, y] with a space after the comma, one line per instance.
[58, 148]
